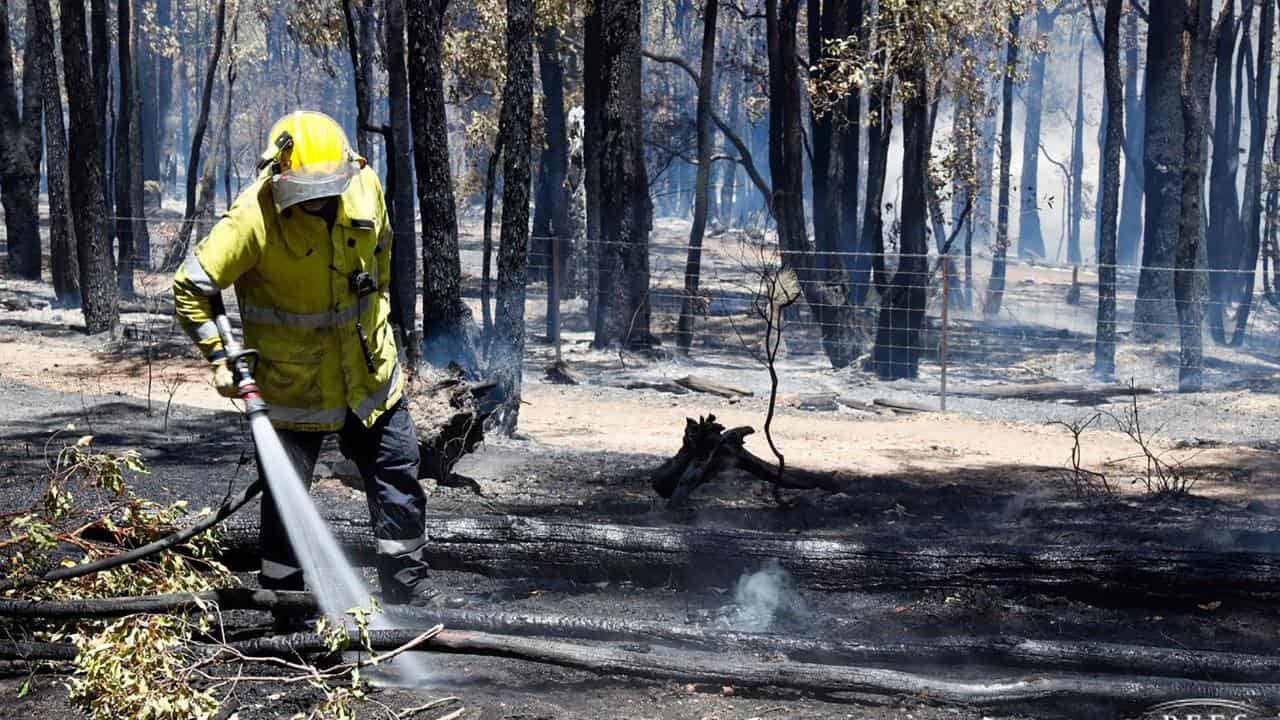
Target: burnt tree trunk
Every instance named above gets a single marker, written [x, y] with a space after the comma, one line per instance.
[20, 150]
[446, 320]
[898, 343]
[1188, 281]
[626, 213]
[827, 301]
[846, 145]
[592, 137]
[125, 167]
[399, 145]
[551, 207]
[820, 16]
[1224, 239]
[99, 295]
[1074, 251]
[1104, 353]
[1030, 237]
[1129, 230]
[869, 267]
[62, 238]
[359, 22]
[1253, 182]
[507, 348]
[1154, 313]
[101, 73]
[693, 264]
[995, 286]
[178, 252]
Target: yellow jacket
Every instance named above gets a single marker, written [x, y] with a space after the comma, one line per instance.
[290, 271]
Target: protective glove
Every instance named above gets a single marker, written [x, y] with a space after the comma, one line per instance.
[223, 379]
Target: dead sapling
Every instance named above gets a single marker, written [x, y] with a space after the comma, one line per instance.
[1160, 476]
[1083, 480]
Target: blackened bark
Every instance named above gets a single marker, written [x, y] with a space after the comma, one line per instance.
[693, 265]
[626, 213]
[592, 137]
[551, 208]
[62, 240]
[486, 252]
[507, 349]
[820, 15]
[1154, 314]
[1030, 237]
[141, 231]
[164, 103]
[88, 199]
[404, 243]
[1188, 282]
[1077, 168]
[20, 151]
[101, 35]
[995, 286]
[124, 165]
[359, 21]
[1129, 231]
[445, 319]
[1253, 182]
[827, 301]
[847, 148]
[869, 268]
[1225, 237]
[1104, 352]
[898, 344]
[178, 252]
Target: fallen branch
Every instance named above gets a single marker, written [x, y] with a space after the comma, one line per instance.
[224, 511]
[1017, 652]
[1108, 573]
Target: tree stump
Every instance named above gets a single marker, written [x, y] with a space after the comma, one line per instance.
[450, 414]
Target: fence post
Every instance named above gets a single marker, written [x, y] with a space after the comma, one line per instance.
[942, 345]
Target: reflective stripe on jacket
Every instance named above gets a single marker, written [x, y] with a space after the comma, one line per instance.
[290, 270]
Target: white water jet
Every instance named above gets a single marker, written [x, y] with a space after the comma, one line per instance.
[335, 584]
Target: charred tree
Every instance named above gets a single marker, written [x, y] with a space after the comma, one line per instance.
[1154, 313]
[995, 286]
[827, 301]
[1077, 168]
[99, 295]
[62, 239]
[1129, 230]
[626, 213]
[177, 253]
[1030, 237]
[1243, 284]
[358, 15]
[399, 144]
[1224, 239]
[592, 137]
[1188, 282]
[693, 265]
[1104, 354]
[507, 348]
[898, 343]
[551, 205]
[20, 150]
[129, 222]
[101, 37]
[869, 268]
[446, 320]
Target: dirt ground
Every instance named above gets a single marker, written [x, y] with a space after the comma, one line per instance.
[584, 452]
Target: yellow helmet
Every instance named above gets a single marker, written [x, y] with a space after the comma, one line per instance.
[309, 157]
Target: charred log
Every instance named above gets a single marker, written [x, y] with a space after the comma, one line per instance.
[1105, 573]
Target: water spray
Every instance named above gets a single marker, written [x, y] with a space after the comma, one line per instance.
[333, 580]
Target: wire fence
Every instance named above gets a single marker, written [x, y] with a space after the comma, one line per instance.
[1041, 326]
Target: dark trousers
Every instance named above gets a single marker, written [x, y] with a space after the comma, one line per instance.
[387, 456]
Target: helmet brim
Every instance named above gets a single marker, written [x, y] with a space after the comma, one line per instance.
[292, 188]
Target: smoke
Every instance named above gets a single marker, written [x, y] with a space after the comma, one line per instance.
[761, 598]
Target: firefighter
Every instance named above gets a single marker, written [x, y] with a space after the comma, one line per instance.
[308, 248]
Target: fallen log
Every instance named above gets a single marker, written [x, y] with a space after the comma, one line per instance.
[703, 385]
[708, 449]
[1009, 652]
[1050, 391]
[1106, 573]
[718, 670]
